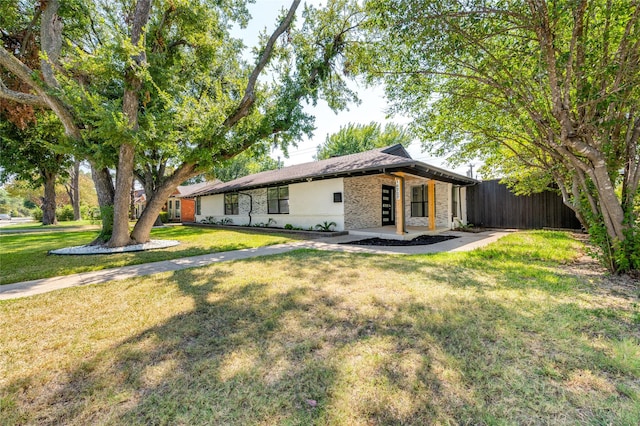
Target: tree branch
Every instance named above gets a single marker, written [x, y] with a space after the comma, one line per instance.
[25, 74]
[20, 97]
[249, 96]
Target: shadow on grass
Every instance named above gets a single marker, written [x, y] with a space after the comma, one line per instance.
[25, 257]
[333, 338]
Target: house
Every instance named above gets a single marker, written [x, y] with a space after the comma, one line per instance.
[382, 187]
[179, 206]
[179, 209]
[139, 201]
[184, 207]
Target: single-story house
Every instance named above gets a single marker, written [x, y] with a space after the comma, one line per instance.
[179, 209]
[382, 187]
[179, 206]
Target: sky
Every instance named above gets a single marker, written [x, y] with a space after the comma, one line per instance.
[373, 106]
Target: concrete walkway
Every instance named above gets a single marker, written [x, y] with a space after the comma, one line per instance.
[465, 242]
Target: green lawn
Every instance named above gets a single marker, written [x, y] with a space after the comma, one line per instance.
[38, 226]
[511, 334]
[24, 256]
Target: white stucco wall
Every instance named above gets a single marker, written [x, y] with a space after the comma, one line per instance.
[310, 203]
[211, 205]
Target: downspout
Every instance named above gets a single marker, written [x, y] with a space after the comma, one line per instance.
[250, 204]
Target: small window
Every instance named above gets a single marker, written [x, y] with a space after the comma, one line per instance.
[454, 200]
[337, 197]
[198, 206]
[177, 208]
[278, 200]
[170, 205]
[419, 202]
[231, 204]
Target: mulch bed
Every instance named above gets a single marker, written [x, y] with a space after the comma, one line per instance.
[423, 240]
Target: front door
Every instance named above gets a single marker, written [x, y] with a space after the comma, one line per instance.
[388, 205]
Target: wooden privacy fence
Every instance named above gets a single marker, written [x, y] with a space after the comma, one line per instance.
[491, 204]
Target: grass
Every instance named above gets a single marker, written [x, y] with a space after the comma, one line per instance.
[24, 256]
[38, 226]
[502, 335]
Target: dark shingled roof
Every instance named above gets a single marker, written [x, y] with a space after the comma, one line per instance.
[185, 191]
[381, 160]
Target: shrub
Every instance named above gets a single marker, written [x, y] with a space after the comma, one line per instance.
[65, 213]
[325, 226]
[164, 217]
[93, 214]
[37, 214]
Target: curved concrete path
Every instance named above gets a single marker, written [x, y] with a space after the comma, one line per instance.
[465, 242]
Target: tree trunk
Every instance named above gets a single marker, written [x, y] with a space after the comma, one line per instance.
[124, 179]
[75, 188]
[49, 200]
[105, 191]
[130, 105]
[150, 190]
[142, 230]
[610, 205]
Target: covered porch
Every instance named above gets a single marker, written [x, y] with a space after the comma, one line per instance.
[390, 232]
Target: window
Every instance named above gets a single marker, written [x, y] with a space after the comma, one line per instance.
[454, 200]
[231, 204]
[198, 206]
[419, 202]
[278, 200]
[177, 208]
[170, 205]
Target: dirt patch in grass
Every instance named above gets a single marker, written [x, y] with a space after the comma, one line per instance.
[422, 240]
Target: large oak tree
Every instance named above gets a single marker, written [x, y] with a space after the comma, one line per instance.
[139, 78]
[542, 91]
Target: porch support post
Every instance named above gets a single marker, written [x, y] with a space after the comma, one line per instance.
[400, 228]
[432, 204]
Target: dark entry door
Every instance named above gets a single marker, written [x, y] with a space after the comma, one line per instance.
[388, 205]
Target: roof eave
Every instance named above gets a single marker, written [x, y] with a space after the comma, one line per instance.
[412, 167]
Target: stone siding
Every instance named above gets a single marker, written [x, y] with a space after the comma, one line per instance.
[442, 205]
[363, 201]
[259, 198]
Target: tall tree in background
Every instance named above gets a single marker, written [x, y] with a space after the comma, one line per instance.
[30, 154]
[542, 91]
[169, 73]
[247, 163]
[354, 138]
[72, 187]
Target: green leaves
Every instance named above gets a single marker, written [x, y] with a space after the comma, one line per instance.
[355, 138]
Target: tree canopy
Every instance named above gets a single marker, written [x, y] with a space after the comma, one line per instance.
[164, 83]
[541, 91]
[354, 138]
[247, 163]
[32, 154]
